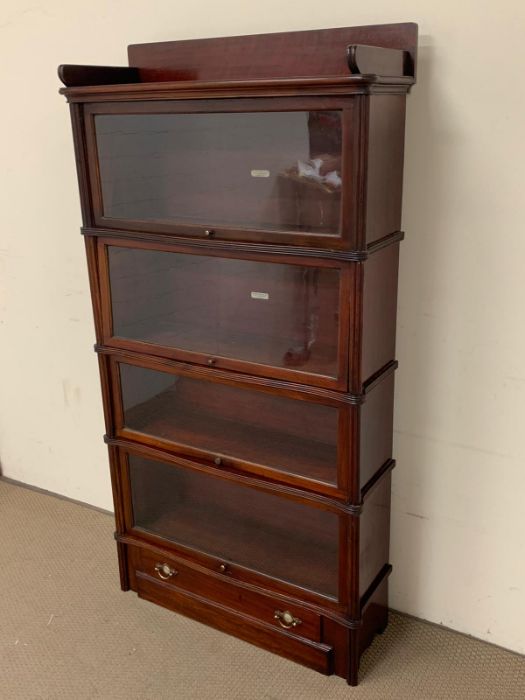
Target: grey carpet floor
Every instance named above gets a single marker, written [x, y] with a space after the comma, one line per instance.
[67, 631]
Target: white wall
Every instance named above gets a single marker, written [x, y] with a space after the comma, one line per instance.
[458, 526]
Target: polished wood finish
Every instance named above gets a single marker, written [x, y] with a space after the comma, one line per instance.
[321, 52]
[76, 76]
[220, 589]
[387, 50]
[243, 258]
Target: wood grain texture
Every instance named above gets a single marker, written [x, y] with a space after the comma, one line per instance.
[275, 88]
[379, 309]
[256, 605]
[384, 168]
[320, 52]
[311, 654]
[250, 447]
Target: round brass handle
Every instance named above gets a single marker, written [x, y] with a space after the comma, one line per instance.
[223, 568]
[209, 233]
[211, 360]
[286, 619]
[218, 461]
[165, 571]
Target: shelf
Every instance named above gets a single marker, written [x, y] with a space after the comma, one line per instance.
[270, 351]
[168, 417]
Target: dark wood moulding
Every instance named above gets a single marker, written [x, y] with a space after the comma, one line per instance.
[347, 255]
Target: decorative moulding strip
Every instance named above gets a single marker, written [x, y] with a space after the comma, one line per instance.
[301, 251]
[277, 488]
[247, 380]
[376, 478]
[350, 85]
[378, 376]
[381, 576]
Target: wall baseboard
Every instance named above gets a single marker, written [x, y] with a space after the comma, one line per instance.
[45, 492]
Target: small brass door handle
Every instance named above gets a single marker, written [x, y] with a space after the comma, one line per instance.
[223, 568]
[165, 571]
[286, 619]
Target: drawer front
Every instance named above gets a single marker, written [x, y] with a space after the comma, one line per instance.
[312, 654]
[243, 531]
[231, 425]
[283, 615]
[249, 175]
[267, 318]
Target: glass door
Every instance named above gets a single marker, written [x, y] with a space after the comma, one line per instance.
[231, 425]
[276, 319]
[274, 176]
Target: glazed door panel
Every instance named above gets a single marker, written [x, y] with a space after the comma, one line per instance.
[253, 173]
[233, 426]
[273, 319]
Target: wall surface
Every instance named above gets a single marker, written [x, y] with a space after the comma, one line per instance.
[458, 518]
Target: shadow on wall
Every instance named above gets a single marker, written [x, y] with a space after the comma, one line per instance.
[421, 256]
[450, 418]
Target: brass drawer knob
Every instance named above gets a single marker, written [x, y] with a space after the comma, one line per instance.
[209, 233]
[211, 360]
[286, 619]
[218, 461]
[165, 571]
[223, 568]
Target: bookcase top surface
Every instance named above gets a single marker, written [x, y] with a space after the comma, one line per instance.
[318, 52]
[345, 56]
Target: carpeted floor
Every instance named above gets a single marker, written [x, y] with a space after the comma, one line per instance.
[67, 631]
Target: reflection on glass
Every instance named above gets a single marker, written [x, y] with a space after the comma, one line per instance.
[297, 437]
[279, 537]
[269, 313]
[268, 170]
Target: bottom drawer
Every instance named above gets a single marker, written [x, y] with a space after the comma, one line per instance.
[312, 654]
[177, 575]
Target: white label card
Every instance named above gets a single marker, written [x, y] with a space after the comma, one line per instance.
[260, 173]
[259, 295]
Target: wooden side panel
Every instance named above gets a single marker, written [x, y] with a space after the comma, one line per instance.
[376, 429]
[118, 502]
[374, 533]
[375, 615]
[386, 142]
[79, 142]
[339, 638]
[379, 310]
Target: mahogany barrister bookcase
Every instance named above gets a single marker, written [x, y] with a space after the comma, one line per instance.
[241, 203]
